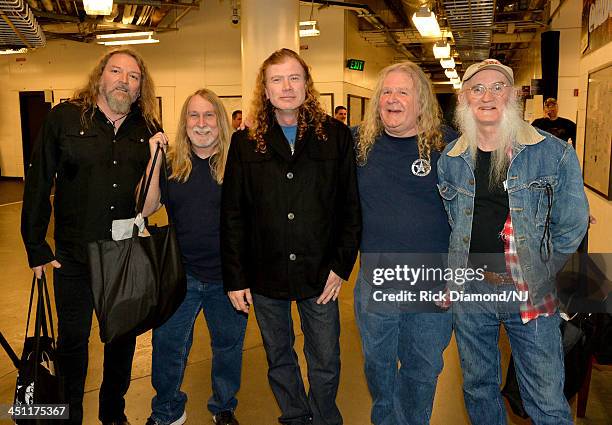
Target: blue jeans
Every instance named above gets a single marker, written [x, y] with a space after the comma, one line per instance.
[417, 340]
[538, 357]
[321, 327]
[172, 342]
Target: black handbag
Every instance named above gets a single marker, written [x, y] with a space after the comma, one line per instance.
[139, 282]
[38, 377]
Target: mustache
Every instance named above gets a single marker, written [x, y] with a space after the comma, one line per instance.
[205, 129]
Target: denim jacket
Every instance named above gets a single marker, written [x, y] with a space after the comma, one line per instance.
[545, 192]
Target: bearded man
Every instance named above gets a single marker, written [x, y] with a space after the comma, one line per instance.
[516, 204]
[93, 149]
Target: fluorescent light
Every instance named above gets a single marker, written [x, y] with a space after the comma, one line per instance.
[13, 51]
[441, 50]
[451, 73]
[309, 29]
[125, 34]
[447, 63]
[98, 7]
[425, 22]
[129, 41]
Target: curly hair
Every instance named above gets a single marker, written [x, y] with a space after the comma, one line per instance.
[179, 153]
[262, 117]
[429, 135]
[86, 96]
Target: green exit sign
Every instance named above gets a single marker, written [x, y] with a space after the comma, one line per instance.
[355, 64]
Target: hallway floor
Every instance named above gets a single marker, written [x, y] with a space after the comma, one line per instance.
[256, 403]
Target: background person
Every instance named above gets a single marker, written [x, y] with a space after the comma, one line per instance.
[340, 113]
[554, 124]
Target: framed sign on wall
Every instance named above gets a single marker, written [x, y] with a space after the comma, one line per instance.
[598, 132]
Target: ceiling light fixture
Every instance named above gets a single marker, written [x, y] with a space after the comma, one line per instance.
[447, 63]
[451, 73]
[425, 22]
[309, 29]
[455, 80]
[129, 41]
[98, 7]
[441, 50]
[457, 86]
[13, 51]
[125, 35]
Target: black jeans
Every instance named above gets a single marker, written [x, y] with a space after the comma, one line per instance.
[321, 327]
[74, 304]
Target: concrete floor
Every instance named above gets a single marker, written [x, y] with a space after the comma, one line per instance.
[256, 402]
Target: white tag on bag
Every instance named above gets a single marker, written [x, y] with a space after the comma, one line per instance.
[123, 229]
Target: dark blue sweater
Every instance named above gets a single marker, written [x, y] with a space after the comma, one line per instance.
[401, 211]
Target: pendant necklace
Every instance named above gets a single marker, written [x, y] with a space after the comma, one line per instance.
[421, 167]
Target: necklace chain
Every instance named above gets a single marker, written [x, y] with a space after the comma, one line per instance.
[114, 121]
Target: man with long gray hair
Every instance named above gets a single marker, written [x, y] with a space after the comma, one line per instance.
[517, 208]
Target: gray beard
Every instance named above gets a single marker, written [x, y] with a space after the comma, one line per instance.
[507, 129]
[119, 105]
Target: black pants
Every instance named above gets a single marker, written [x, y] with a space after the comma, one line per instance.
[74, 303]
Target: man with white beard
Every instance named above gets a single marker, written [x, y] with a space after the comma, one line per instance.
[192, 195]
[517, 208]
[93, 149]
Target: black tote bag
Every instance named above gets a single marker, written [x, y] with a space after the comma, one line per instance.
[39, 380]
[139, 282]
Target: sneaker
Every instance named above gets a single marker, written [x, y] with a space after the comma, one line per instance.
[225, 418]
[179, 421]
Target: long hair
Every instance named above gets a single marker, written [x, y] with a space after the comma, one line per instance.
[86, 96]
[310, 113]
[510, 126]
[180, 152]
[428, 120]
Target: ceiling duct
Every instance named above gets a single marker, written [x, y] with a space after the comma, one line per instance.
[18, 27]
[471, 22]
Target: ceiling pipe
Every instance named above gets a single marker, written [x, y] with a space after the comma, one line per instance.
[364, 11]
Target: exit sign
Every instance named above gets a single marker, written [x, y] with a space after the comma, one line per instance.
[355, 64]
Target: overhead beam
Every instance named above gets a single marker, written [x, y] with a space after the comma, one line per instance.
[517, 37]
[397, 8]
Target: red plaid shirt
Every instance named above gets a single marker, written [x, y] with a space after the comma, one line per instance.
[527, 310]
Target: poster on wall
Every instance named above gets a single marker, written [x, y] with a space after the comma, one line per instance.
[596, 25]
[598, 133]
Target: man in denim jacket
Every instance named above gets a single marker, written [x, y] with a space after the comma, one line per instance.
[516, 204]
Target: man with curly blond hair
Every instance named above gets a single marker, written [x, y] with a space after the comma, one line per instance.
[290, 229]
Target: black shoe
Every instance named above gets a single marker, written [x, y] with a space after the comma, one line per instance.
[225, 418]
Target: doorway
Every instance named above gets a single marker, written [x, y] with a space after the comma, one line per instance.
[34, 110]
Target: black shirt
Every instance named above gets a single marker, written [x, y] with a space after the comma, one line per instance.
[195, 210]
[561, 127]
[490, 213]
[95, 172]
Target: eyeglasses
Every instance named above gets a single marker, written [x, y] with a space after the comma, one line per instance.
[496, 89]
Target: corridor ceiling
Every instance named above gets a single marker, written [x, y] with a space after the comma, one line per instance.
[476, 29]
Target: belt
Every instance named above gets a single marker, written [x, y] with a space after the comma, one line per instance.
[497, 279]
